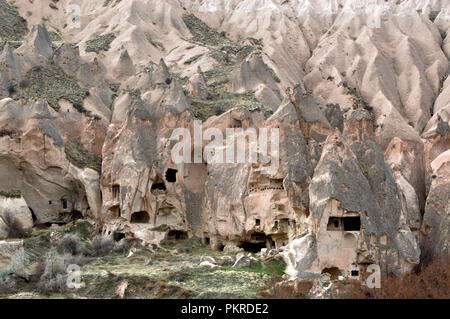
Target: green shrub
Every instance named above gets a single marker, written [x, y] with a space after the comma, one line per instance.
[202, 33]
[100, 246]
[432, 281]
[433, 15]
[51, 83]
[12, 26]
[12, 193]
[71, 244]
[18, 264]
[15, 226]
[54, 277]
[6, 281]
[101, 43]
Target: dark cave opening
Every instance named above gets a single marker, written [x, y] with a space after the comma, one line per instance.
[177, 235]
[334, 223]
[115, 191]
[140, 218]
[257, 242]
[252, 247]
[76, 214]
[64, 203]
[118, 236]
[352, 223]
[354, 273]
[114, 211]
[171, 175]
[158, 188]
[333, 271]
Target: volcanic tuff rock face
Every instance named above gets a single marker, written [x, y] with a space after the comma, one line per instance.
[91, 91]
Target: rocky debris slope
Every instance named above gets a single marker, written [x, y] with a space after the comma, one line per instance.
[90, 94]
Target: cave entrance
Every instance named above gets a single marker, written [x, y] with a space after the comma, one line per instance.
[352, 223]
[257, 242]
[116, 191]
[252, 247]
[171, 175]
[177, 235]
[158, 188]
[333, 271]
[115, 211]
[140, 218]
[118, 236]
[64, 203]
[334, 224]
[75, 215]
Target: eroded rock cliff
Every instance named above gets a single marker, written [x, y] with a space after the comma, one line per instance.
[360, 97]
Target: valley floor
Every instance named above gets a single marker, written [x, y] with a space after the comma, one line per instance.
[171, 270]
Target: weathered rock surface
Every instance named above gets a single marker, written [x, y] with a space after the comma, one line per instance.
[360, 96]
[16, 208]
[437, 210]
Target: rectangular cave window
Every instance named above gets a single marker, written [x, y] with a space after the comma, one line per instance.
[354, 273]
[352, 223]
[334, 223]
[115, 211]
[257, 222]
[64, 203]
[171, 175]
[115, 191]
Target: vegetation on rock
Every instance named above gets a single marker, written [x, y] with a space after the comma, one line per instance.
[15, 226]
[203, 34]
[80, 157]
[11, 194]
[227, 55]
[100, 43]
[50, 82]
[12, 26]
